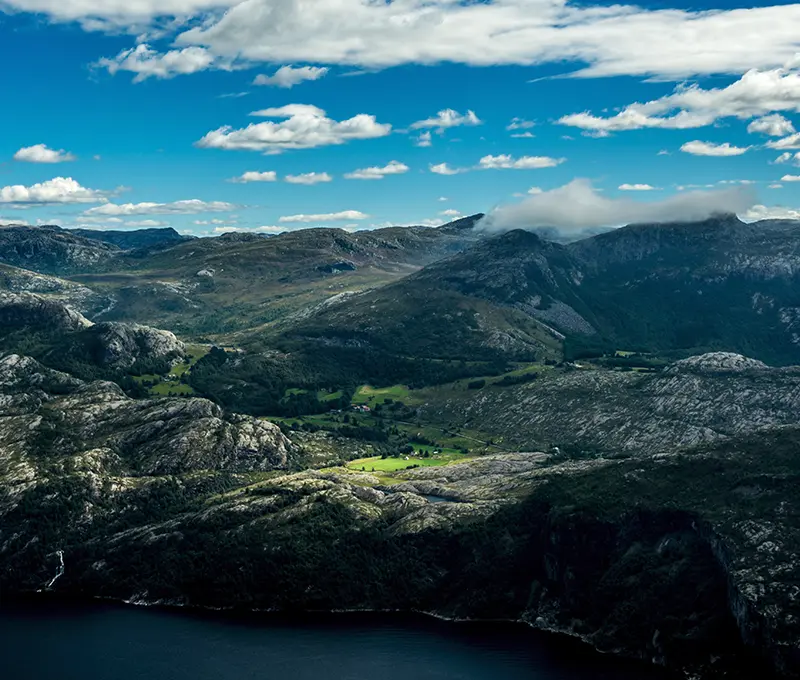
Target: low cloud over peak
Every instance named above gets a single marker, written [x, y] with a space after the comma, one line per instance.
[578, 206]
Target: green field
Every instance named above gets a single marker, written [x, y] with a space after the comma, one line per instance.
[378, 464]
[369, 396]
[171, 385]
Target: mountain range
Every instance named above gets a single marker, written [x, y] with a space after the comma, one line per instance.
[597, 437]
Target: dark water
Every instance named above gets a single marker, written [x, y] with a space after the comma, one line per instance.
[67, 642]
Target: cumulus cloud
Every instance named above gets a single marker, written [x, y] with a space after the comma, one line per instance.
[790, 142]
[445, 169]
[309, 178]
[506, 162]
[698, 148]
[450, 213]
[53, 191]
[289, 76]
[520, 124]
[391, 168]
[523, 135]
[423, 140]
[146, 62]
[304, 127]
[254, 176]
[578, 206]
[774, 125]
[39, 153]
[756, 93]
[790, 178]
[788, 157]
[636, 187]
[773, 212]
[448, 118]
[344, 215]
[188, 207]
[612, 39]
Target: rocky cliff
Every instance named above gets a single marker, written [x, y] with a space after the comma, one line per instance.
[80, 298]
[688, 560]
[37, 313]
[120, 345]
[697, 400]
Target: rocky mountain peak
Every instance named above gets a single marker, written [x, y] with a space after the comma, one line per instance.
[717, 362]
[122, 344]
[19, 310]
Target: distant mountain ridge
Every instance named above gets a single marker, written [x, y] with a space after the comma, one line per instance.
[716, 284]
[134, 238]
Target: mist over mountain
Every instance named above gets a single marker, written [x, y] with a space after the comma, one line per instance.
[577, 208]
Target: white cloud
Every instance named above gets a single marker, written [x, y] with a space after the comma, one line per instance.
[533, 191]
[188, 207]
[520, 124]
[523, 135]
[443, 199]
[254, 176]
[506, 162]
[790, 142]
[326, 217]
[309, 178]
[788, 157]
[774, 125]
[207, 222]
[578, 206]
[450, 213]
[445, 169]
[685, 187]
[611, 39]
[289, 76]
[775, 186]
[391, 168]
[698, 148]
[790, 178]
[636, 187]
[39, 153]
[447, 118]
[423, 140]
[773, 212]
[304, 127]
[756, 93]
[663, 152]
[53, 191]
[146, 62]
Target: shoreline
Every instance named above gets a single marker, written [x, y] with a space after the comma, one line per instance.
[575, 643]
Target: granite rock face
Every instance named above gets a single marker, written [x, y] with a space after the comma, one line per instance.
[120, 345]
[28, 310]
[697, 400]
[44, 412]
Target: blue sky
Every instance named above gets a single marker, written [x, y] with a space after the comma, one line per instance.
[117, 114]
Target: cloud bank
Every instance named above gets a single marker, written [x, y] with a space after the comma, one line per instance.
[578, 206]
